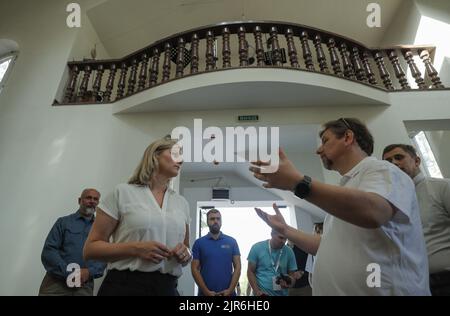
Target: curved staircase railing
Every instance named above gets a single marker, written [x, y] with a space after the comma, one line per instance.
[237, 45]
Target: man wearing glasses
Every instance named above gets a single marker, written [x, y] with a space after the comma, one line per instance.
[372, 242]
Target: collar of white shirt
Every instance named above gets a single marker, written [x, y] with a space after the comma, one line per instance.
[356, 169]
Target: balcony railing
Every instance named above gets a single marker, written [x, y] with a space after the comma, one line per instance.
[240, 45]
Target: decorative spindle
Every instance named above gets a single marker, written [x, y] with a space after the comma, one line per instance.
[243, 47]
[398, 70]
[226, 50]
[368, 69]
[194, 54]
[143, 72]
[348, 68]
[431, 71]
[335, 63]
[259, 49]
[121, 84]
[180, 58]
[110, 83]
[321, 59]
[98, 81]
[415, 72]
[166, 64]
[357, 64]
[292, 51]
[384, 74]
[69, 96]
[84, 83]
[154, 71]
[210, 56]
[276, 53]
[133, 77]
[307, 56]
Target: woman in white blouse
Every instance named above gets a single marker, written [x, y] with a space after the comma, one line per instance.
[142, 229]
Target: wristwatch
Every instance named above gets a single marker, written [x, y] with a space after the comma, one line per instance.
[303, 188]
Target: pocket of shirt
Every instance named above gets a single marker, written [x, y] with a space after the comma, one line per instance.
[73, 235]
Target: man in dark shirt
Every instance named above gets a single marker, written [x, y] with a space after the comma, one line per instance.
[62, 255]
[301, 286]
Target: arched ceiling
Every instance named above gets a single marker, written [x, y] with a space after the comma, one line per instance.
[126, 26]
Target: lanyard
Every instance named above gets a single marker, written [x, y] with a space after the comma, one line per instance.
[275, 266]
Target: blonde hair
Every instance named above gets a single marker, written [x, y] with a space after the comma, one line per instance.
[149, 162]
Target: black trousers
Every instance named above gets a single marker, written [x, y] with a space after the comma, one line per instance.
[440, 283]
[136, 283]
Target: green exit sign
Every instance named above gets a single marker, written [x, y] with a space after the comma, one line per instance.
[248, 118]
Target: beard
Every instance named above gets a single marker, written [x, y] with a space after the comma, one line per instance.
[214, 229]
[89, 211]
[327, 163]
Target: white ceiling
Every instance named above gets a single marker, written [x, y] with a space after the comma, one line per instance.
[293, 138]
[126, 26]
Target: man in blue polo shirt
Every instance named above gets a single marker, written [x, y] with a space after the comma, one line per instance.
[216, 264]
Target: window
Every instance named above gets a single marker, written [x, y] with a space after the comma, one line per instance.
[428, 160]
[5, 66]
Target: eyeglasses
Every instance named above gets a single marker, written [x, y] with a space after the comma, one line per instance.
[345, 123]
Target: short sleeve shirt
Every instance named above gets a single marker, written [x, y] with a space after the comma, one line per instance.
[142, 219]
[349, 256]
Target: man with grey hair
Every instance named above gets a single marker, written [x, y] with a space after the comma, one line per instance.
[434, 202]
[63, 250]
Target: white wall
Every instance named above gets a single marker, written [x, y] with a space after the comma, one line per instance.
[48, 154]
[440, 145]
[403, 27]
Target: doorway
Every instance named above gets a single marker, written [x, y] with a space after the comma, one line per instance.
[240, 221]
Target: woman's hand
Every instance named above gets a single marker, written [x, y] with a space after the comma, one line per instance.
[182, 254]
[152, 251]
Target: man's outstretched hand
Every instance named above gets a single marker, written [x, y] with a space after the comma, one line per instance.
[285, 177]
[276, 221]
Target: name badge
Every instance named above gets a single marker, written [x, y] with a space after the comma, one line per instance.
[275, 286]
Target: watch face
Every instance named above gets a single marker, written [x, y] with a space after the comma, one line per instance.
[303, 188]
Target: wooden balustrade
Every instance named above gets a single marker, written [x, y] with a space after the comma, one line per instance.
[143, 73]
[307, 55]
[210, 57]
[167, 62]
[259, 45]
[110, 83]
[358, 66]
[292, 51]
[82, 94]
[155, 68]
[321, 59]
[276, 53]
[133, 76]
[399, 72]
[68, 98]
[335, 63]
[180, 58]
[431, 71]
[259, 49]
[226, 52]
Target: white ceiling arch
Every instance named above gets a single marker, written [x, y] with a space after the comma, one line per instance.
[126, 26]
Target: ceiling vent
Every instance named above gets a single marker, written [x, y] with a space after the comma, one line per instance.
[220, 194]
